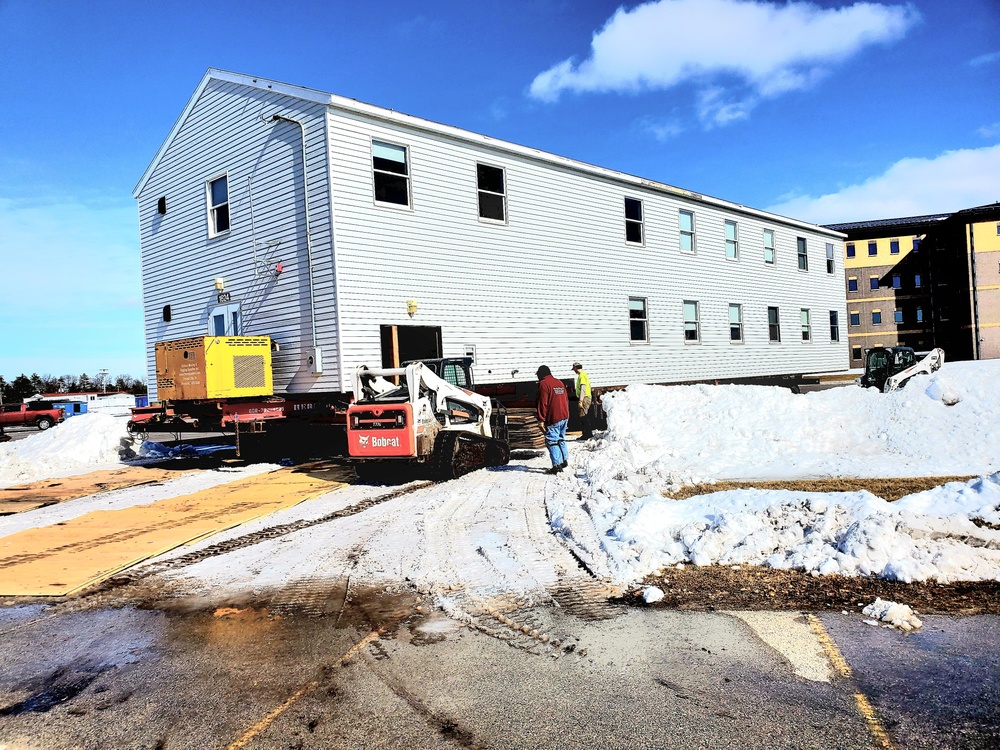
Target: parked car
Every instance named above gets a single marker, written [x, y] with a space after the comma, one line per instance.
[32, 414]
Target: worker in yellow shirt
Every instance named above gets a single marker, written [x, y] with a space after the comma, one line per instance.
[584, 396]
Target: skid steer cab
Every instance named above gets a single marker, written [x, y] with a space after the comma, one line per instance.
[410, 415]
[889, 367]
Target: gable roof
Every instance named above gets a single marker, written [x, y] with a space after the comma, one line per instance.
[354, 106]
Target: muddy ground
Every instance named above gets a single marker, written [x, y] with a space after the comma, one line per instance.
[887, 488]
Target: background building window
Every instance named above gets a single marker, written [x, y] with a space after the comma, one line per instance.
[834, 325]
[855, 352]
[894, 247]
[896, 282]
[687, 231]
[806, 327]
[735, 323]
[691, 332]
[873, 282]
[855, 318]
[920, 315]
[852, 284]
[633, 221]
[916, 281]
[800, 245]
[830, 265]
[897, 316]
[732, 248]
[769, 246]
[492, 186]
[876, 317]
[872, 248]
[916, 244]
[218, 205]
[391, 173]
[638, 328]
[850, 249]
[773, 324]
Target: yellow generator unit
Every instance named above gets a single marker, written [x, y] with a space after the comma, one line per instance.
[206, 367]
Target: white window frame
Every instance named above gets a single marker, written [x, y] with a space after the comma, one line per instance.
[802, 256]
[737, 324]
[696, 322]
[834, 326]
[831, 264]
[409, 173]
[212, 208]
[733, 242]
[693, 234]
[776, 324]
[805, 319]
[480, 190]
[641, 221]
[769, 233]
[645, 319]
[228, 310]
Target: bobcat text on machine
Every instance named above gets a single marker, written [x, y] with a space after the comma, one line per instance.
[422, 419]
[888, 368]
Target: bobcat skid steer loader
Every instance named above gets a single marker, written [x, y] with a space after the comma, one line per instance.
[423, 419]
[888, 368]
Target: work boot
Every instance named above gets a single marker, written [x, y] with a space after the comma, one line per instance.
[562, 466]
[554, 470]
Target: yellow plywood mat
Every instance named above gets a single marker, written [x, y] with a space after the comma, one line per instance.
[51, 491]
[66, 557]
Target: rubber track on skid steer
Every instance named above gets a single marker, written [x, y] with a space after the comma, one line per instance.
[458, 453]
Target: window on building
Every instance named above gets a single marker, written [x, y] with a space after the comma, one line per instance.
[897, 316]
[830, 265]
[391, 173]
[896, 282]
[872, 248]
[850, 249]
[773, 324]
[638, 322]
[218, 205]
[769, 246]
[998, 230]
[691, 332]
[161, 205]
[735, 323]
[492, 187]
[873, 282]
[224, 320]
[916, 244]
[687, 231]
[834, 325]
[876, 317]
[732, 246]
[855, 318]
[800, 245]
[920, 315]
[894, 247]
[633, 221]
[916, 281]
[806, 327]
[167, 314]
[855, 352]
[852, 284]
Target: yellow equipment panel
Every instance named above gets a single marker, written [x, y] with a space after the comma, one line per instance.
[206, 367]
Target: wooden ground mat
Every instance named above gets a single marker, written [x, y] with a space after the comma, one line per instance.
[63, 558]
[51, 491]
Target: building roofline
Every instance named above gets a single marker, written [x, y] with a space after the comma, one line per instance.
[905, 221]
[353, 106]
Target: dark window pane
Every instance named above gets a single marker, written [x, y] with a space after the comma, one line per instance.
[855, 319]
[896, 283]
[633, 231]
[391, 189]
[735, 333]
[772, 315]
[222, 218]
[638, 330]
[850, 250]
[219, 325]
[489, 178]
[390, 165]
[690, 332]
[220, 191]
[633, 209]
[873, 283]
[876, 318]
[491, 206]
[852, 285]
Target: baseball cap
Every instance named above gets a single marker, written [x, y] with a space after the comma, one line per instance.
[577, 364]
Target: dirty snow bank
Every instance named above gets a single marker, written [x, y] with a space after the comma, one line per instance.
[616, 518]
[84, 443]
[892, 614]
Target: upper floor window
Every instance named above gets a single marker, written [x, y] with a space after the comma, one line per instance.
[735, 323]
[920, 315]
[873, 282]
[876, 317]
[638, 328]
[806, 327]
[687, 231]
[855, 318]
[852, 284]
[834, 325]
[691, 332]
[218, 205]
[769, 246]
[800, 244]
[916, 244]
[633, 221]
[873, 248]
[897, 316]
[850, 249]
[894, 247]
[773, 324]
[492, 192]
[830, 265]
[896, 281]
[732, 247]
[391, 173]
[855, 352]
[916, 280]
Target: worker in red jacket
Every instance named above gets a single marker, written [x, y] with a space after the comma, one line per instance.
[553, 412]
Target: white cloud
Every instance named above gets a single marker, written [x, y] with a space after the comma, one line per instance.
[910, 187]
[661, 130]
[989, 131]
[986, 59]
[768, 49]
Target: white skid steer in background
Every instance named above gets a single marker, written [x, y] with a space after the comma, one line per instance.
[888, 368]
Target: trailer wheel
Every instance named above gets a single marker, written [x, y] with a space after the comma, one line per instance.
[43, 423]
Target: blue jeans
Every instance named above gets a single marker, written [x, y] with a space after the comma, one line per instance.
[555, 441]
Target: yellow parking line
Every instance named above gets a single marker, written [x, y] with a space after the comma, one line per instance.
[264, 723]
[840, 665]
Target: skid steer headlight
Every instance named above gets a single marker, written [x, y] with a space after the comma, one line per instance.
[401, 419]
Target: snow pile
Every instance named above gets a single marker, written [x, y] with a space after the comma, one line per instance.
[83, 443]
[617, 520]
[892, 614]
[652, 594]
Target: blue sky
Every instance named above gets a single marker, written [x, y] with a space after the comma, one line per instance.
[823, 111]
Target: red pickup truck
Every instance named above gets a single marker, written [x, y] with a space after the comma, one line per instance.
[36, 414]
